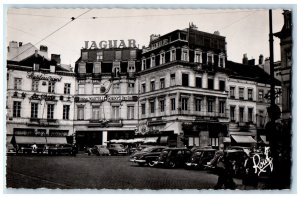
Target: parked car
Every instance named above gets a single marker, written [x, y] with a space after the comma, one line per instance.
[61, 149]
[173, 157]
[117, 149]
[100, 150]
[147, 156]
[200, 157]
[247, 150]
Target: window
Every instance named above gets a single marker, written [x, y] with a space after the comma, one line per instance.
[250, 94]
[152, 61]
[132, 54]
[50, 111]
[261, 95]
[51, 86]
[221, 61]
[35, 85]
[210, 59]
[18, 83]
[261, 118]
[162, 83]
[198, 58]
[241, 114]
[130, 112]
[173, 104]
[152, 85]
[96, 112]
[17, 109]
[118, 55]
[100, 56]
[162, 105]
[67, 88]
[97, 68]
[115, 112]
[80, 113]
[36, 67]
[198, 102]
[152, 107]
[143, 64]
[34, 110]
[66, 112]
[173, 55]
[184, 104]
[241, 93]
[81, 89]
[250, 114]
[185, 56]
[96, 89]
[143, 109]
[232, 90]
[185, 80]
[222, 85]
[131, 66]
[84, 56]
[214, 141]
[82, 68]
[210, 105]
[194, 141]
[210, 83]
[162, 58]
[144, 88]
[232, 113]
[172, 82]
[130, 88]
[116, 89]
[221, 106]
[198, 82]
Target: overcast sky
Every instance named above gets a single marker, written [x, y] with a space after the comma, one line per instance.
[246, 30]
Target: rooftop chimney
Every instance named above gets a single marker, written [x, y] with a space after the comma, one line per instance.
[245, 59]
[35, 53]
[56, 57]
[43, 48]
[261, 59]
[251, 61]
[20, 44]
[154, 36]
[217, 33]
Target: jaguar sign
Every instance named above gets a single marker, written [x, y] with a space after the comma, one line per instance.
[130, 43]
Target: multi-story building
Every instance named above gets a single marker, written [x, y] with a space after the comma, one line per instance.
[183, 88]
[106, 104]
[40, 96]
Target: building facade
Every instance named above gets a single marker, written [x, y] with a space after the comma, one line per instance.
[106, 104]
[40, 98]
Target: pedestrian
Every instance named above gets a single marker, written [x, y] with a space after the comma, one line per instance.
[250, 178]
[34, 147]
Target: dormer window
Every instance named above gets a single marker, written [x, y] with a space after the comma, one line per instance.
[81, 68]
[97, 68]
[84, 56]
[100, 56]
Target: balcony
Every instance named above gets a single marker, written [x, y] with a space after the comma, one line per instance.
[43, 122]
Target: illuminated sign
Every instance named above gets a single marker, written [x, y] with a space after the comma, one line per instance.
[131, 43]
[36, 76]
[106, 98]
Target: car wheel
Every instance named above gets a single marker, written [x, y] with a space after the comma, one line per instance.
[171, 164]
[151, 163]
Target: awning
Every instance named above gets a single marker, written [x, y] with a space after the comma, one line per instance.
[243, 138]
[264, 139]
[151, 140]
[164, 139]
[30, 140]
[56, 140]
[227, 139]
[139, 140]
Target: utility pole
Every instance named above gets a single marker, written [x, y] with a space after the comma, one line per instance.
[272, 91]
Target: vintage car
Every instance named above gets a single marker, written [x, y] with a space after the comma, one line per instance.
[100, 150]
[200, 157]
[60, 149]
[247, 150]
[117, 149]
[147, 156]
[173, 157]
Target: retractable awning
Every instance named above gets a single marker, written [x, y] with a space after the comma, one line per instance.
[30, 140]
[164, 139]
[227, 139]
[264, 139]
[243, 139]
[56, 140]
[151, 140]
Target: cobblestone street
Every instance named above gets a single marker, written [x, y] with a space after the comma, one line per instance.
[112, 172]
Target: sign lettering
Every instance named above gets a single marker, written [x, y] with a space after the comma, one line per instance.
[36, 76]
[131, 43]
[260, 165]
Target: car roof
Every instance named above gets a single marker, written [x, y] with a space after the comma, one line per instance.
[234, 151]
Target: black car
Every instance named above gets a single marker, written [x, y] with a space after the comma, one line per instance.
[173, 157]
[147, 155]
[200, 157]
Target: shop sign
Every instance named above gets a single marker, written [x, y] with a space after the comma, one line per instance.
[42, 97]
[131, 43]
[106, 98]
[40, 76]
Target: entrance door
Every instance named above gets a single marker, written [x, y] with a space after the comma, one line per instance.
[88, 139]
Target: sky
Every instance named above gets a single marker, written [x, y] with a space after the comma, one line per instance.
[246, 30]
